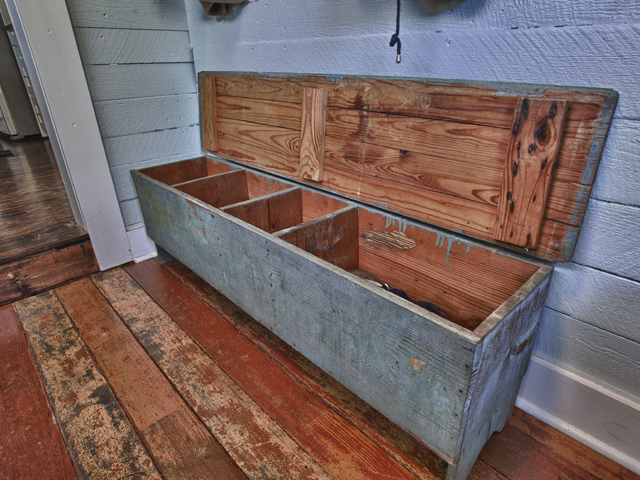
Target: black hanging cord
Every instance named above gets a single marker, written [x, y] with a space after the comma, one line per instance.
[395, 38]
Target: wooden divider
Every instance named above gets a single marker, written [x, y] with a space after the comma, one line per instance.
[272, 212]
[332, 237]
[185, 170]
[218, 190]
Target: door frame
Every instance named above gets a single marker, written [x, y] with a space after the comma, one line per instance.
[51, 53]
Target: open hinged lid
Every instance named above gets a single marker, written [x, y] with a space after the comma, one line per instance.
[510, 164]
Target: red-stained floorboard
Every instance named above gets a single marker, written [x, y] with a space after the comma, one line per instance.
[31, 445]
[272, 374]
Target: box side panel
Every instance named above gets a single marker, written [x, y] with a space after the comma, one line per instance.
[503, 359]
[412, 370]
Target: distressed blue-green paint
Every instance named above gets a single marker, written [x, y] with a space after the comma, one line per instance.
[579, 206]
[569, 244]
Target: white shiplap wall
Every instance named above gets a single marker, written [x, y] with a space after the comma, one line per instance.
[139, 67]
[591, 324]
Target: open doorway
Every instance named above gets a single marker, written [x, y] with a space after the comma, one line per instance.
[41, 245]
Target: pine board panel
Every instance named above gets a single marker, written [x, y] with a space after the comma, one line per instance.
[141, 115]
[278, 140]
[179, 443]
[611, 360]
[254, 441]
[405, 449]
[103, 46]
[534, 460]
[80, 395]
[32, 275]
[275, 114]
[171, 144]
[134, 14]
[32, 446]
[327, 437]
[575, 452]
[598, 298]
[608, 239]
[116, 82]
[461, 176]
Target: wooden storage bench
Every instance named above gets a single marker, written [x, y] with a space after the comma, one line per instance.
[319, 179]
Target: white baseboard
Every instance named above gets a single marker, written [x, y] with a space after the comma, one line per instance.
[599, 418]
[142, 247]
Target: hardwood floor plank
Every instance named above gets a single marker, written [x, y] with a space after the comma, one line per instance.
[342, 450]
[31, 443]
[396, 442]
[179, 443]
[101, 441]
[34, 210]
[254, 441]
[35, 274]
[575, 452]
[520, 457]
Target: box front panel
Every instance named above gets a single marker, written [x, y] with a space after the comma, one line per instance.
[411, 368]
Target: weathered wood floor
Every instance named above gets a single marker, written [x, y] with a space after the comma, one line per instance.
[147, 372]
[40, 243]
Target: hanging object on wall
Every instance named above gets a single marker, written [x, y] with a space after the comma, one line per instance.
[395, 38]
[219, 7]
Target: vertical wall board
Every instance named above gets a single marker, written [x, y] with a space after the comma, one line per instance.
[169, 144]
[45, 29]
[598, 298]
[102, 46]
[114, 82]
[135, 14]
[140, 115]
[619, 171]
[609, 239]
[607, 359]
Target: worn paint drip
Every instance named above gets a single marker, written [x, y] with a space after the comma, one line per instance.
[589, 172]
[394, 241]
[569, 244]
[450, 241]
[579, 207]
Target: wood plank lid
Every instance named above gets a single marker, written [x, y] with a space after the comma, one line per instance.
[510, 164]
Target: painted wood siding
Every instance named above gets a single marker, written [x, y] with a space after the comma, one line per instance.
[590, 326]
[139, 67]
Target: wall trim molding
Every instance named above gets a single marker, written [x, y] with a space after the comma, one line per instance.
[142, 247]
[586, 411]
[51, 53]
